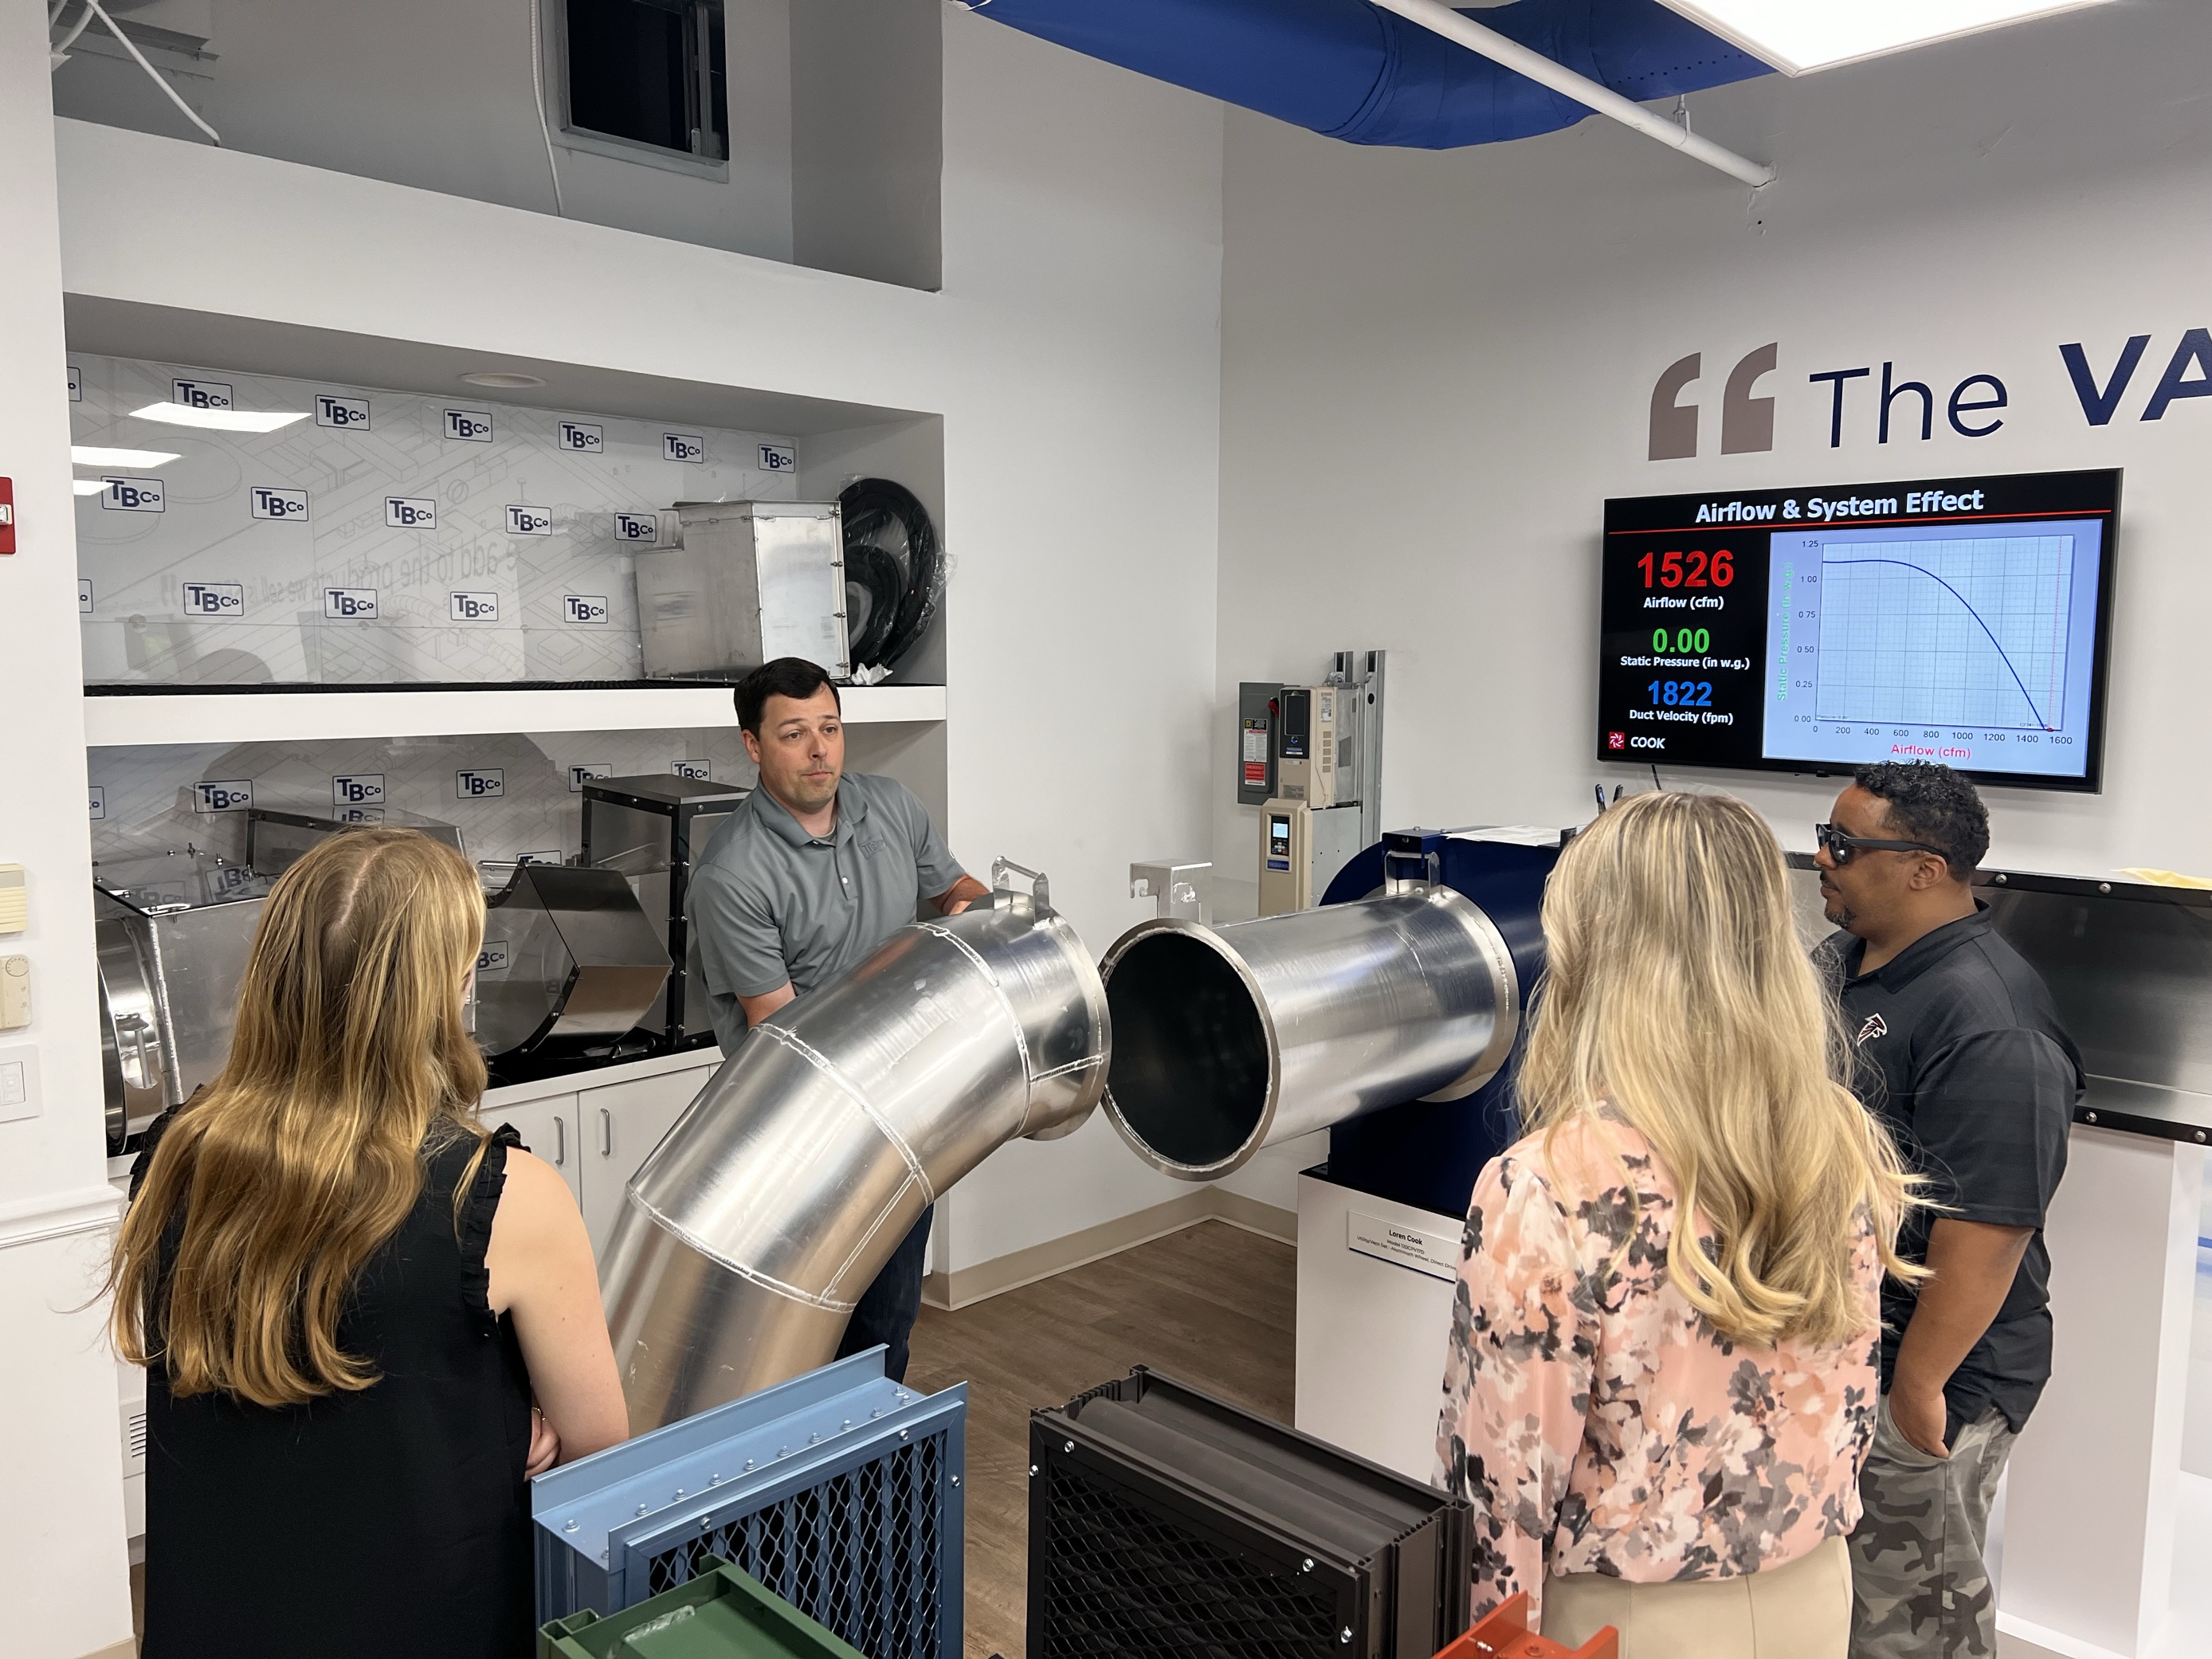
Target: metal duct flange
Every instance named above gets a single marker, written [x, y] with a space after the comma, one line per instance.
[748, 1235]
[1230, 1039]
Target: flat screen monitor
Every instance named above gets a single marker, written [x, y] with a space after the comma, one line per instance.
[1819, 628]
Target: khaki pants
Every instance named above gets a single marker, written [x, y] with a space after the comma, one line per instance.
[1800, 1611]
[1922, 1588]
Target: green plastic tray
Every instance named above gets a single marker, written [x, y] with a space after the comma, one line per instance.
[719, 1613]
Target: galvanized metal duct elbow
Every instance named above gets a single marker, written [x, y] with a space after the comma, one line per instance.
[748, 1235]
[1230, 1039]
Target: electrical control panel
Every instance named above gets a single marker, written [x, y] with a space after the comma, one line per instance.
[1313, 749]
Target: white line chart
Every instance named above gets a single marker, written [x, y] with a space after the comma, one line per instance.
[1956, 632]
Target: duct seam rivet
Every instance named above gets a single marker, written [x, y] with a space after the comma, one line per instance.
[2200, 1136]
[1069, 1446]
[570, 1527]
[2088, 1117]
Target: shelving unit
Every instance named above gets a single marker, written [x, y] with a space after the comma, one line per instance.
[230, 717]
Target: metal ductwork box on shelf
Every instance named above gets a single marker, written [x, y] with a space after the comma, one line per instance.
[171, 933]
[840, 1491]
[1165, 1522]
[652, 830]
[569, 966]
[751, 582]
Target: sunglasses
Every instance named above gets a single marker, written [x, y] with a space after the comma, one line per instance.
[1840, 846]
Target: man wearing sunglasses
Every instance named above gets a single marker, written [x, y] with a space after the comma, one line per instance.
[1956, 1047]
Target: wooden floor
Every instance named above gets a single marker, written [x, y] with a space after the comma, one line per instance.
[1212, 1306]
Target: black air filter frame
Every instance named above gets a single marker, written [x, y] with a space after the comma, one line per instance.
[1189, 1527]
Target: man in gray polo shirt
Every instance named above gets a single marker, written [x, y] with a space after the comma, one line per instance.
[812, 873]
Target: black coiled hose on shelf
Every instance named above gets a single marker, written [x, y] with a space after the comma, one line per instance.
[894, 570]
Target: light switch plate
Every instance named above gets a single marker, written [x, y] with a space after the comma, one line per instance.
[19, 1082]
[14, 900]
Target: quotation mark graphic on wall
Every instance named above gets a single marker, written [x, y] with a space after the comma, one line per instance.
[1746, 421]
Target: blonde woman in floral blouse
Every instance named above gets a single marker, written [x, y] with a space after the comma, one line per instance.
[1659, 1421]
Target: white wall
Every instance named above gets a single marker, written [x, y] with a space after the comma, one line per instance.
[61, 1495]
[437, 94]
[1435, 368]
[1072, 354]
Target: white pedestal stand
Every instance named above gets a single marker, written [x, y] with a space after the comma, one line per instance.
[2089, 1518]
[1375, 1297]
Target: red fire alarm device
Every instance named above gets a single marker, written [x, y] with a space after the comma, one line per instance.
[7, 515]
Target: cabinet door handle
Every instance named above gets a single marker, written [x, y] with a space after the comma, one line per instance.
[606, 1133]
[559, 1141]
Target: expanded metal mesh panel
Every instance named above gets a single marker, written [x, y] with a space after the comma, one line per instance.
[1123, 1580]
[859, 1552]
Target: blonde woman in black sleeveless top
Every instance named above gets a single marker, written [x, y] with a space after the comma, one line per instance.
[365, 1320]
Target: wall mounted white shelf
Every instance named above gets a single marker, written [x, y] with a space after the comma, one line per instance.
[221, 717]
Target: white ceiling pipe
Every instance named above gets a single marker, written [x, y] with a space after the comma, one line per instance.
[1441, 19]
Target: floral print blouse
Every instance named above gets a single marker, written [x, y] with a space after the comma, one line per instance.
[1597, 1422]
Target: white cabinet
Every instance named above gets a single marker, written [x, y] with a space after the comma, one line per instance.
[623, 1123]
[548, 1126]
[596, 1137]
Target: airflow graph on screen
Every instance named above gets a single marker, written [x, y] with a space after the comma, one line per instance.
[1952, 631]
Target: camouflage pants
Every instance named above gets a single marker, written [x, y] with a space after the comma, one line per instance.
[1920, 1587]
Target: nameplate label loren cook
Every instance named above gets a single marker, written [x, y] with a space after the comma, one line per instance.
[1409, 1247]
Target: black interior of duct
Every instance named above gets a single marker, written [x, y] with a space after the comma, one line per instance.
[1189, 1072]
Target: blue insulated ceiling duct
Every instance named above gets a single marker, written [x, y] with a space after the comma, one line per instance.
[1350, 70]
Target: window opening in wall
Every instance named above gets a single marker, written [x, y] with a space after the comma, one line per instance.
[648, 72]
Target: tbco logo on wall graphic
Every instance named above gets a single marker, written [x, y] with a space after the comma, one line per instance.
[201, 394]
[1894, 406]
[479, 783]
[214, 598]
[132, 494]
[268, 501]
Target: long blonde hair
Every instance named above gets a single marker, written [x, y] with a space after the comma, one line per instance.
[1677, 991]
[271, 1189]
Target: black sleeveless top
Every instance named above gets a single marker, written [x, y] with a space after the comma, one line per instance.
[360, 1526]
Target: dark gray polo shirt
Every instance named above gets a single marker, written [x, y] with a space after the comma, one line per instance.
[1956, 1047]
[769, 902]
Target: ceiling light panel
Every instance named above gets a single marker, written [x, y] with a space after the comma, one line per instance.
[95, 455]
[1797, 36]
[219, 420]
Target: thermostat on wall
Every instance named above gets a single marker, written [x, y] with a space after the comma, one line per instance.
[14, 900]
